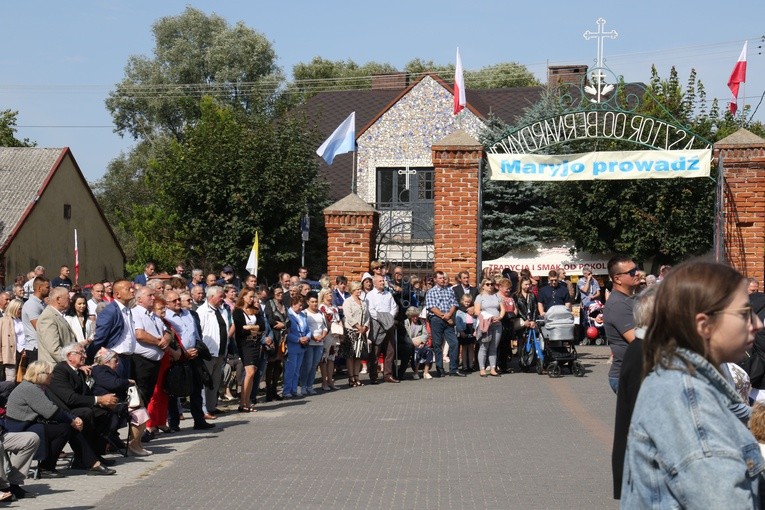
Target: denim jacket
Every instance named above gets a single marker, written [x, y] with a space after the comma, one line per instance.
[686, 449]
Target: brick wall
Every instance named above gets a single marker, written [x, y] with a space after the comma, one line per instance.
[456, 161]
[744, 202]
[350, 225]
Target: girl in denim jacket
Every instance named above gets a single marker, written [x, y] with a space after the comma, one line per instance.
[686, 449]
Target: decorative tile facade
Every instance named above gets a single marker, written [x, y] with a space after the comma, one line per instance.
[404, 134]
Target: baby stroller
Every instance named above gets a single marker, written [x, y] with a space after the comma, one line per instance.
[557, 335]
[594, 331]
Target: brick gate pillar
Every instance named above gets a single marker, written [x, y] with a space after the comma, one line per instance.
[456, 162]
[743, 157]
[350, 224]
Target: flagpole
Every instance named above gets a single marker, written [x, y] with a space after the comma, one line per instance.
[353, 173]
[743, 103]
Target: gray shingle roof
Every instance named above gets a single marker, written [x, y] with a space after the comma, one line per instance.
[23, 171]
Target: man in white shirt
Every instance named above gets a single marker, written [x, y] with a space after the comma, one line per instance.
[151, 341]
[97, 295]
[115, 328]
[187, 327]
[29, 285]
[215, 337]
[383, 310]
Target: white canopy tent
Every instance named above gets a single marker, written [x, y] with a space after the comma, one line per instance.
[544, 258]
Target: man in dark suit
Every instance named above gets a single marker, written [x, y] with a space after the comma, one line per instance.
[115, 328]
[148, 273]
[463, 287]
[69, 391]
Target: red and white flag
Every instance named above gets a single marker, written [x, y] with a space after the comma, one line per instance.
[737, 77]
[459, 86]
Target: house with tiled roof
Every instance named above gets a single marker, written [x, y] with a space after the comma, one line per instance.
[397, 123]
[43, 199]
[327, 110]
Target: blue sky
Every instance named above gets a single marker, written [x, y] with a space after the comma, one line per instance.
[61, 59]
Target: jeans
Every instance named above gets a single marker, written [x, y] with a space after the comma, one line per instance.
[490, 348]
[614, 383]
[292, 365]
[311, 361]
[442, 331]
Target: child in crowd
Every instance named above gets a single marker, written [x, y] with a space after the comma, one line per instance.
[417, 333]
[757, 425]
[465, 325]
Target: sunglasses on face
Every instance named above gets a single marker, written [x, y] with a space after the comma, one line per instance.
[632, 272]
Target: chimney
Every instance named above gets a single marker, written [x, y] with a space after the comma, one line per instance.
[390, 81]
[566, 74]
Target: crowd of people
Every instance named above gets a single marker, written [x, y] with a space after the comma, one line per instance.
[81, 364]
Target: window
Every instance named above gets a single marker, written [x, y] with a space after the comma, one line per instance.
[399, 188]
[67, 211]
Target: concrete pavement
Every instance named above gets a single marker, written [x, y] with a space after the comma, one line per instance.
[519, 441]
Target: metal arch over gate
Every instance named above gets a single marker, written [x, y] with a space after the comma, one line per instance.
[595, 110]
[603, 107]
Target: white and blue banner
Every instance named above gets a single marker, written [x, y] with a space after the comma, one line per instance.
[648, 164]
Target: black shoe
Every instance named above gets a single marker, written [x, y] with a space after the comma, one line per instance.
[100, 471]
[175, 428]
[374, 381]
[439, 372]
[217, 411]
[457, 374]
[21, 493]
[51, 473]
[147, 436]
[106, 462]
[204, 426]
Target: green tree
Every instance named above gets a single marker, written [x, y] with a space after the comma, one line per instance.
[322, 74]
[516, 215]
[195, 55]
[232, 175]
[8, 131]
[145, 230]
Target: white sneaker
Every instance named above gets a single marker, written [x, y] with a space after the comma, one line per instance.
[426, 375]
[363, 369]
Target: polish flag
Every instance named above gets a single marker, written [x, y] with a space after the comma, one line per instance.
[737, 77]
[459, 86]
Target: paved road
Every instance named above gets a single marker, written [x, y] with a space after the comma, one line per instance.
[520, 441]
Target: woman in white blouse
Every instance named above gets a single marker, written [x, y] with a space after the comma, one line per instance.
[78, 319]
[317, 328]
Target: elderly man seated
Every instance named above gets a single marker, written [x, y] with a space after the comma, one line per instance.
[69, 391]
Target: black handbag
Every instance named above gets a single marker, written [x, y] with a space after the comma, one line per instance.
[178, 380]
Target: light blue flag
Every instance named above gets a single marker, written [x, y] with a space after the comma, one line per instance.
[342, 140]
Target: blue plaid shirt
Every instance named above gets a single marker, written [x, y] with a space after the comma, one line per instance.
[442, 298]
